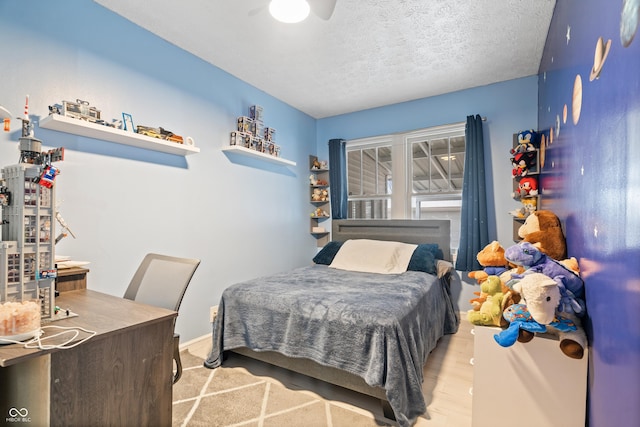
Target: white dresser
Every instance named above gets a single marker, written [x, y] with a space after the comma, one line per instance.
[532, 384]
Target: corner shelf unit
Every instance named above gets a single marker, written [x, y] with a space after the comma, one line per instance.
[73, 126]
[258, 155]
[536, 200]
[322, 237]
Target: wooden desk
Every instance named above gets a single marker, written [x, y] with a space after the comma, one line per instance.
[71, 279]
[121, 376]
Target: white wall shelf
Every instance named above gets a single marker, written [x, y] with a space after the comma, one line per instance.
[258, 155]
[92, 130]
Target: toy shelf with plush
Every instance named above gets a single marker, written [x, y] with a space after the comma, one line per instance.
[319, 198]
[526, 165]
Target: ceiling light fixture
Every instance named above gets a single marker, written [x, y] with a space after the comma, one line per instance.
[289, 11]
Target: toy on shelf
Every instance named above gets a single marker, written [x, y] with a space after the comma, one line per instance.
[527, 187]
[320, 213]
[319, 164]
[319, 195]
[28, 247]
[523, 163]
[252, 134]
[526, 141]
[159, 133]
[529, 206]
[77, 110]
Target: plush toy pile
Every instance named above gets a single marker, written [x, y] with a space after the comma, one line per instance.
[539, 290]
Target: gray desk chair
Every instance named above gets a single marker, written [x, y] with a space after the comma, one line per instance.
[161, 281]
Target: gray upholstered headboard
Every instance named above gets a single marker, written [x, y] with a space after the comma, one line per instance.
[414, 231]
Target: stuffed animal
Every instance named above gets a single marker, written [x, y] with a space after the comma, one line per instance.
[543, 230]
[487, 287]
[520, 320]
[490, 312]
[527, 186]
[523, 163]
[571, 285]
[542, 296]
[529, 206]
[525, 142]
[316, 196]
[491, 257]
[521, 324]
[313, 179]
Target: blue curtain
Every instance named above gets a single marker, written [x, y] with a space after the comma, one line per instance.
[474, 232]
[338, 178]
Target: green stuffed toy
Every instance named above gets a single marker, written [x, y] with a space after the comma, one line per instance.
[490, 312]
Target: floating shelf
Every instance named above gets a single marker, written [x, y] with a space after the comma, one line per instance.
[258, 155]
[92, 130]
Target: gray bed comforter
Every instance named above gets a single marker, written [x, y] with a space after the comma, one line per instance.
[377, 326]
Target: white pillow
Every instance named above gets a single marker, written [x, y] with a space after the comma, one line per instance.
[373, 256]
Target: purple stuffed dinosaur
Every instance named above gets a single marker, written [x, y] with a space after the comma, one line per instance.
[570, 284]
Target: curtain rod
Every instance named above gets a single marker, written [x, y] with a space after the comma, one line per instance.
[484, 119]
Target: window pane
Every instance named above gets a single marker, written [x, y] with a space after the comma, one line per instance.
[421, 167]
[437, 165]
[354, 170]
[369, 171]
[384, 170]
[425, 208]
[369, 167]
[369, 176]
[456, 171]
[369, 209]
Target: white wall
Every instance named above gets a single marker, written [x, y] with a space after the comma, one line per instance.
[242, 218]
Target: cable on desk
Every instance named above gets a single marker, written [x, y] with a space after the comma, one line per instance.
[37, 341]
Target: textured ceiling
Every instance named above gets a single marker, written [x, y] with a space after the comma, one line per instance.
[370, 53]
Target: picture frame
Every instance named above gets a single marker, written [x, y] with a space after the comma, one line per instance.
[128, 122]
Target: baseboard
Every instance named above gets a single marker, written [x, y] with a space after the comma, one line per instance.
[193, 341]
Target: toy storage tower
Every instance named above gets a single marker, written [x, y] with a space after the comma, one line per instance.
[27, 248]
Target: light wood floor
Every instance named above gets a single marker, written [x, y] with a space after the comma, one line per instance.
[447, 383]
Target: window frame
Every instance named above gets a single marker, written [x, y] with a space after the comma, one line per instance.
[402, 196]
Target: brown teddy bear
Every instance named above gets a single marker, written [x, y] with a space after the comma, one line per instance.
[491, 257]
[543, 230]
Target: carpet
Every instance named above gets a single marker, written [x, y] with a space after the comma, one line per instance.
[234, 395]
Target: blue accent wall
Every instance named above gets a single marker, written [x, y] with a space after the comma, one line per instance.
[592, 181]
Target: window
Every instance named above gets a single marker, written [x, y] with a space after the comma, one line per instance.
[369, 176]
[415, 175]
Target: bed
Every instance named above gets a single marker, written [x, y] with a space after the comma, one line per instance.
[366, 331]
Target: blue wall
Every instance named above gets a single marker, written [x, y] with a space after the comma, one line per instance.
[508, 106]
[243, 218]
[591, 172]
